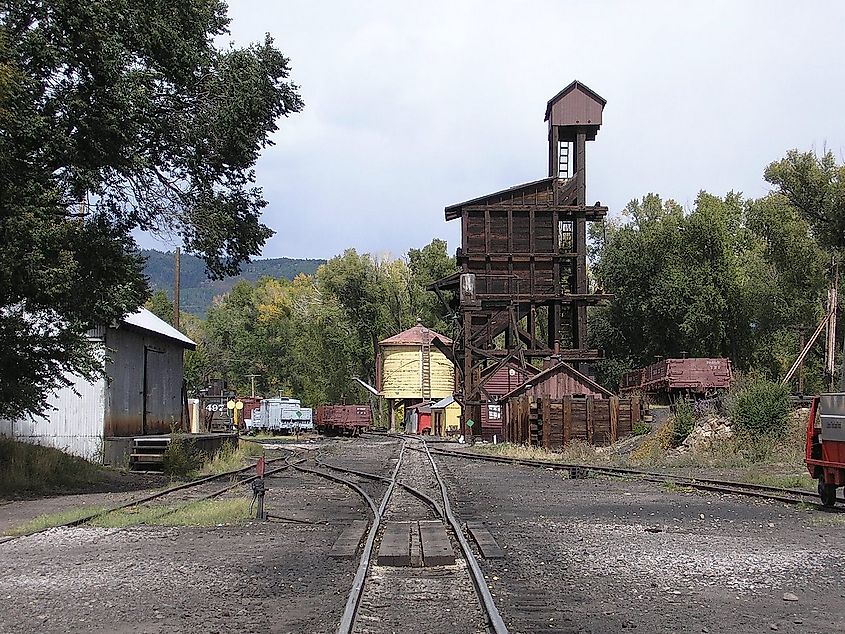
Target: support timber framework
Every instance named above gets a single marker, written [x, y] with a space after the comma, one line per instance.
[522, 289]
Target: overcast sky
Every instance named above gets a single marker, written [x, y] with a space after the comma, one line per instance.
[412, 106]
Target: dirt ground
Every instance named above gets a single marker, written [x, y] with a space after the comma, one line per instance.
[603, 555]
[593, 555]
[116, 488]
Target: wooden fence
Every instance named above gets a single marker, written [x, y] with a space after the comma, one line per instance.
[553, 423]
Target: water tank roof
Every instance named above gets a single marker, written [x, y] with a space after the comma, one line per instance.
[416, 335]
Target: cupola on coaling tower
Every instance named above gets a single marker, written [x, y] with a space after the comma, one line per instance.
[522, 291]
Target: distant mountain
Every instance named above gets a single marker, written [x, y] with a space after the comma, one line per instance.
[198, 291]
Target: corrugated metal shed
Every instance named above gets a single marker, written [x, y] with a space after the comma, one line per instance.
[140, 394]
[74, 424]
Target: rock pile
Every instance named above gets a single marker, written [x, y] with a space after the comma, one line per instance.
[708, 431]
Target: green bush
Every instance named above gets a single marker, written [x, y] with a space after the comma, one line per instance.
[180, 459]
[760, 407]
[683, 421]
[641, 428]
[31, 468]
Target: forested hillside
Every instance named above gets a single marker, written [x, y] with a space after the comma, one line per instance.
[198, 291]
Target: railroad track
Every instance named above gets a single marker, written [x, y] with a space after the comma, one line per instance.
[182, 495]
[374, 587]
[762, 491]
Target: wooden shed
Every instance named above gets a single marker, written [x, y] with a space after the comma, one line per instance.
[560, 405]
[411, 368]
[446, 417]
[497, 381]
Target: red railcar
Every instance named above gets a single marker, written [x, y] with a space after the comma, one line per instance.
[825, 450]
[349, 420]
[680, 377]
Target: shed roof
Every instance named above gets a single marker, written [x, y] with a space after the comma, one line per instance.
[573, 86]
[146, 321]
[560, 367]
[443, 403]
[544, 184]
[415, 336]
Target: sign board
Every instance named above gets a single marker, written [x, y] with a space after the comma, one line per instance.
[470, 423]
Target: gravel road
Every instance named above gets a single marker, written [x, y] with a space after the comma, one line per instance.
[603, 555]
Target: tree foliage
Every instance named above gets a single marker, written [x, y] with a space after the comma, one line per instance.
[815, 186]
[118, 116]
[730, 278]
[309, 337]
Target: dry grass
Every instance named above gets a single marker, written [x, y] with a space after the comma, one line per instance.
[54, 519]
[229, 458]
[202, 513]
[26, 468]
[763, 460]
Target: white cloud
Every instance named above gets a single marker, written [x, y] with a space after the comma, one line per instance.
[414, 106]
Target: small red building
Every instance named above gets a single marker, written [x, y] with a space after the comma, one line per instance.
[497, 383]
[418, 419]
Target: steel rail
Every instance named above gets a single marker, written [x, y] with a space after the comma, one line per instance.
[143, 500]
[748, 489]
[350, 611]
[374, 476]
[491, 612]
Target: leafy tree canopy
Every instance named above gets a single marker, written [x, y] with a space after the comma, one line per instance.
[117, 116]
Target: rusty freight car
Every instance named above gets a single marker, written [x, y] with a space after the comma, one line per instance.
[347, 420]
[672, 378]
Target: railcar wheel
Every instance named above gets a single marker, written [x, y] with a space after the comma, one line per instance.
[827, 493]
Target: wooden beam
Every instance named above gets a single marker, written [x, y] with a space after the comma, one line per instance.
[613, 406]
[567, 420]
[547, 422]
[596, 212]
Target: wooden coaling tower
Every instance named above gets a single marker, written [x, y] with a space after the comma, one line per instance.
[522, 290]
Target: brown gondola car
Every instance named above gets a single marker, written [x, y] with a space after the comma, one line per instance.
[346, 420]
[671, 378]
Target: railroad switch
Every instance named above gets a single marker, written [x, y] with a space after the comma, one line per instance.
[258, 490]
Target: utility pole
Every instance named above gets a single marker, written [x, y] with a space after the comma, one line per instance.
[830, 344]
[177, 278]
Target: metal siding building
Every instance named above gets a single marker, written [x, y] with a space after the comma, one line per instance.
[140, 394]
[74, 424]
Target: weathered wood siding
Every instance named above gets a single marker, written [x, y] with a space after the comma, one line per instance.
[554, 423]
[402, 373]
